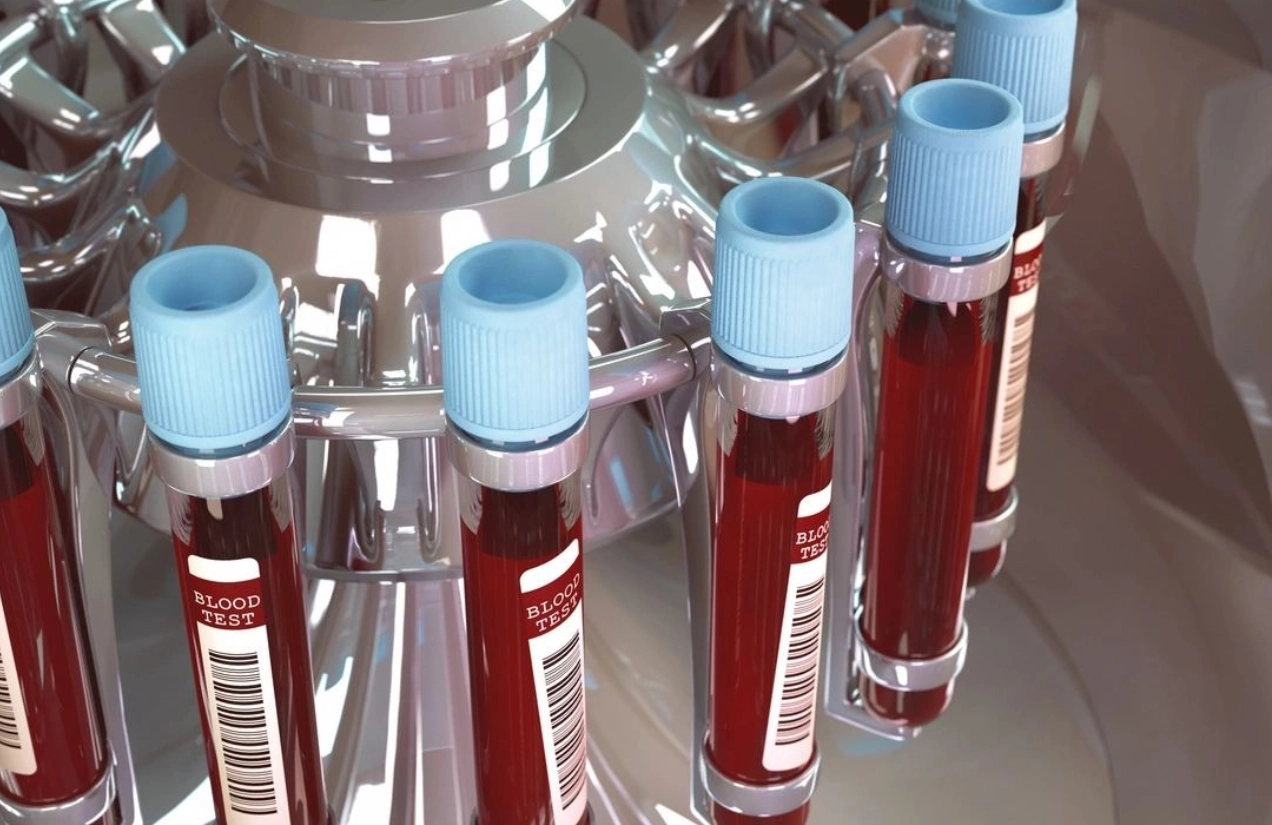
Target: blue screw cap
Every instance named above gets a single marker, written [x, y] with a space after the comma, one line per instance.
[957, 148]
[17, 336]
[781, 298]
[939, 11]
[514, 342]
[1025, 47]
[210, 354]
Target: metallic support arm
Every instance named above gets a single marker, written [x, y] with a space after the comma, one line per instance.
[790, 80]
[694, 25]
[822, 161]
[354, 413]
[814, 26]
[869, 69]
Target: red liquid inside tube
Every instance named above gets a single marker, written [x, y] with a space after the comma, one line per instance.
[523, 588]
[238, 565]
[1005, 411]
[857, 13]
[52, 740]
[933, 385]
[767, 590]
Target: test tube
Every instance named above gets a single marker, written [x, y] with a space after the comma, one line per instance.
[781, 321]
[1025, 47]
[515, 389]
[216, 398]
[956, 155]
[52, 737]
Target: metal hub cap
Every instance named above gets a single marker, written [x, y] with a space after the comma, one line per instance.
[390, 80]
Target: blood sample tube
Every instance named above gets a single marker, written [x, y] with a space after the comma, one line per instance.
[1025, 47]
[781, 319]
[216, 398]
[956, 153]
[515, 384]
[52, 738]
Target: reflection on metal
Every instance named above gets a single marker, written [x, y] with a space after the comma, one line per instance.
[82, 438]
[358, 147]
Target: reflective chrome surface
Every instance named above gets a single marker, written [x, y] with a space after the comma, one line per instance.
[905, 675]
[764, 800]
[94, 804]
[1118, 669]
[69, 168]
[225, 477]
[522, 470]
[329, 223]
[82, 439]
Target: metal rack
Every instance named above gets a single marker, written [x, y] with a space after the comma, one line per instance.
[652, 149]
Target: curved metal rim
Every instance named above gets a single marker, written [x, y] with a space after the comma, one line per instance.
[487, 34]
[365, 413]
[759, 800]
[911, 675]
[19, 394]
[998, 528]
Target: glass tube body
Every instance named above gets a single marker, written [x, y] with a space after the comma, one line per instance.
[934, 374]
[523, 589]
[1013, 340]
[52, 737]
[238, 565]
[772, 512]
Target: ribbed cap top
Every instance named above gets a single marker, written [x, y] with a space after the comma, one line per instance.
[1025, 47]
[957, 148]
[941, 11]
[781, 298]
[209, 344]
[514, 342]
[17, 337]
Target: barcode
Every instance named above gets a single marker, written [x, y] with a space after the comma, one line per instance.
[563, 673]
[241, 724]
[799, 683]
[1021, 335]
[10, 733]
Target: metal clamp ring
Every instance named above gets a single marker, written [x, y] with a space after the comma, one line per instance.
[772, 397]
[1042, 154]
[758, 800]
[20, 393]
[943, 283]
[517, 470]
[911, 675]
[88, 807]
[225, 476]
[995, 530]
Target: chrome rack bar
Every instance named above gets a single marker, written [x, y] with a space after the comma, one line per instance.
[364, 413]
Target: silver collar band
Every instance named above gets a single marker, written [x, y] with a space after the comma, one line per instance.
[760, 800]
[911, 675]
[90, 806]
[998, 528]
[772, 397]
[19, 395]
[1043, 154]
[229, 476]
[945, 283]
[518, 471]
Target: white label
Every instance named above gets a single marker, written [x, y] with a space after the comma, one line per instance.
[16, 752]
[788, 740]
[226, 600]
[1013, 371]
[552, 601]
